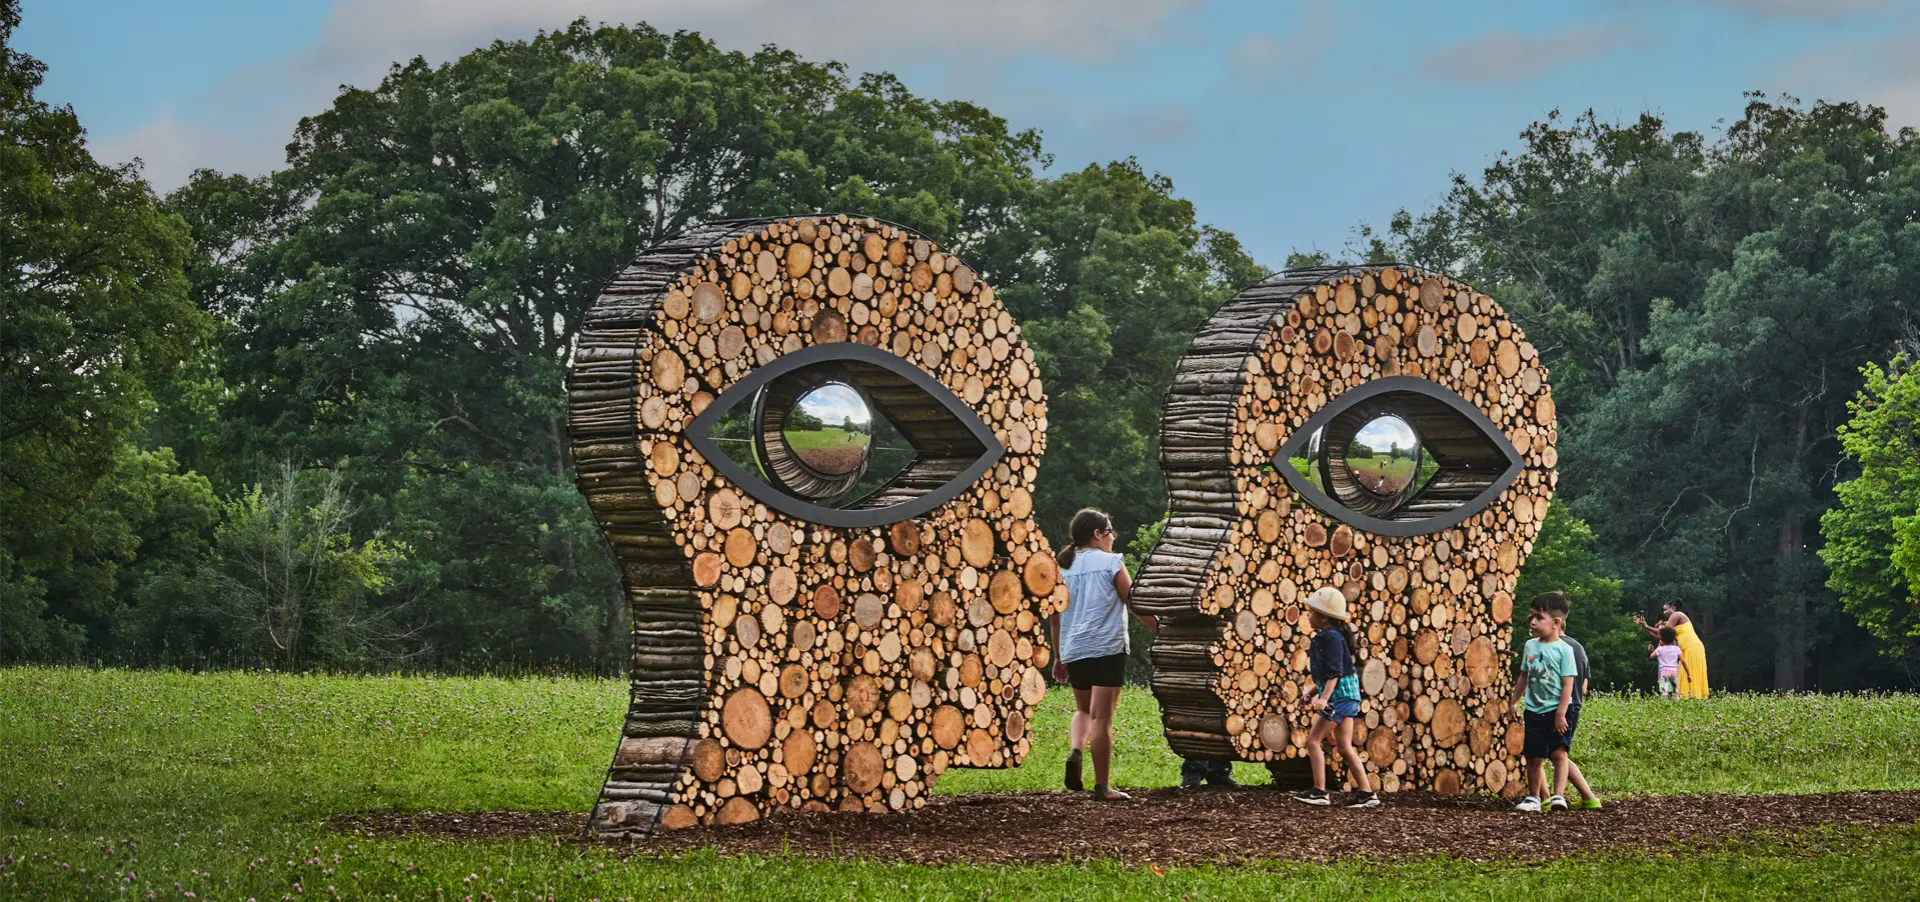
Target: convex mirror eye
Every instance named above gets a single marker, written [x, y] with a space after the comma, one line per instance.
[845, 434]
[1399, 456]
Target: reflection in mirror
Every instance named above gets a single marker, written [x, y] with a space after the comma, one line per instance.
[1400, 456]
[733, 435]
[888, 455]
[1384, 456]
[830, 430]
[824, 429]
[1309, 466]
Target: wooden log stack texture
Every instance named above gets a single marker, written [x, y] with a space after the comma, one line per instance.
[780, 663]
[1432, 613]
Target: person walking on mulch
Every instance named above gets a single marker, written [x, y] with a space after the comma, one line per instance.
[1547, 693]
[1091, 636]
[1583, 680]
[1336, 703]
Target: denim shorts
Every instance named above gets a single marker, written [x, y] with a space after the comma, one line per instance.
[1541, 737]
[1343, 709]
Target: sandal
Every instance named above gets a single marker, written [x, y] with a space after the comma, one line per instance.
[1073, 771]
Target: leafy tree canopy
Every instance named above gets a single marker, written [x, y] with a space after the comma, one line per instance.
[96, 309]
[1872, 546]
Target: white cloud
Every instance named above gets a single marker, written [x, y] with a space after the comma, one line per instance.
[258, 108]
[1798, 9]
[170, 150]
[1258, 55]
[1159, 124]
[1504, 55]
[1882, 71]
[1253, 56]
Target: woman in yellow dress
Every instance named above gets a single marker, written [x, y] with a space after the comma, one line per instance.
[1693, 677]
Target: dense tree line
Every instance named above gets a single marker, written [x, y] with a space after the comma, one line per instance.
[314, 418]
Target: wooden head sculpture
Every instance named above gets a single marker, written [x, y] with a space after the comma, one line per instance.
[811, 445]
[1382, 430]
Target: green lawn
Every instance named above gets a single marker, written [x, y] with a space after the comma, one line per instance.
[831, 437]
[221, 784]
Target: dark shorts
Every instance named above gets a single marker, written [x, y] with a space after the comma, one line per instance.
[1106, 670]
[1541, 738]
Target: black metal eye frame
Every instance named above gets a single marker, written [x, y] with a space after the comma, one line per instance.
[951, 452]
[1475, 468]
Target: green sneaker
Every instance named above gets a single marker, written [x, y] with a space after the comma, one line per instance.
[1592, 804]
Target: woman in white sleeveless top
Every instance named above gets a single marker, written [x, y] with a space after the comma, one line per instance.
[1090, 643]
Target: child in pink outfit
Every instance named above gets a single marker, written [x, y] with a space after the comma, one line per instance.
[1671, 662]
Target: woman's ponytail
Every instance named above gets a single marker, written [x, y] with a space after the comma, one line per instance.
[1080, 533]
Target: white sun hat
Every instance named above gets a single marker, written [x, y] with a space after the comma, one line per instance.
[1329, 601]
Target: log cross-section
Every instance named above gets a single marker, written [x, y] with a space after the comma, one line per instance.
[1243, 546]
[782, 662]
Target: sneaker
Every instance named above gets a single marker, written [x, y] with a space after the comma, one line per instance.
[1073, 771]
[1191, 783]
[1530, 803]
[1364, 800]
[1226, 782]
[1557, 803]
[1592, 804]
[1312, 797]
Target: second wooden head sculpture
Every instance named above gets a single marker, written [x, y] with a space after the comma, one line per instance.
[1382, 430]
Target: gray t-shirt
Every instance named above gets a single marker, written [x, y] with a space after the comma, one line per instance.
[1095, 621]
[1580, 664]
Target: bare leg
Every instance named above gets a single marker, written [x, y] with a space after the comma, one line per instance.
[1354, 765]
[1537, 777]
[1317, 755]
[1082, 718]
[1559, 771]
[1573, 776]
[1100, 737]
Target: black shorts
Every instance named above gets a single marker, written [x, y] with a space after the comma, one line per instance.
[1541, 738]
[1106, 670]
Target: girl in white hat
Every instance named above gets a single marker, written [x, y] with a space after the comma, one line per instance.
[1337, 702]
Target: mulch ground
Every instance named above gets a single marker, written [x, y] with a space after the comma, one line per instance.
[1171, 826]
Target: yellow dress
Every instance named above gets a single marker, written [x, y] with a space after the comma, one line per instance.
[1692, 680]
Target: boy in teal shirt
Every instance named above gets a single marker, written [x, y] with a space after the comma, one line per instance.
[1547, 690]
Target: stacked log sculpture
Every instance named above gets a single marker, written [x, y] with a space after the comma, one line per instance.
[778, 661]
[1431, 592]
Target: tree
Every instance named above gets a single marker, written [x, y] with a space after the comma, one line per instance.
[288, 571]
[95, 309]
[1109, 274]
[1872, 546]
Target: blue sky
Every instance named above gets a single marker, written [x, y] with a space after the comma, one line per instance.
[1286, 122]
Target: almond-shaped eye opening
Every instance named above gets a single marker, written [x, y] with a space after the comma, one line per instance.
[1399, 456]
[846, 435]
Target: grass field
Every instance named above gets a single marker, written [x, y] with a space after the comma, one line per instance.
[219, 786]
